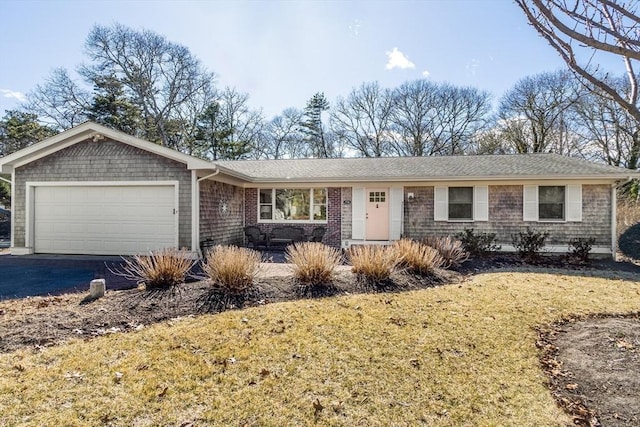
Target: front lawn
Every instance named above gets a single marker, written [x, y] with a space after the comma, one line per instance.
[462, 354]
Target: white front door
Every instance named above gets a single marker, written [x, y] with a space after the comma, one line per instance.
[104, 220]
[377, 213]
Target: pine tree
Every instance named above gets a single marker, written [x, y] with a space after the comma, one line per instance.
[313, 129]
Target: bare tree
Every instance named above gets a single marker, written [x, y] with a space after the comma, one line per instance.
[431, 119]
[535, 115]
[361, 121]
[583, 30]
[463, 112]
[608, 128]
[158, 75]
[282, 136]
[60, 102]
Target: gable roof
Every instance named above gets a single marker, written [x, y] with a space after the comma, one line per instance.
[381, 169]
[441, 168]
[89, 130]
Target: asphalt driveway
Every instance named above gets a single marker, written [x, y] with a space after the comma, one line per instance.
[33, 275]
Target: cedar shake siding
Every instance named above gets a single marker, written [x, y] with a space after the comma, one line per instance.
[333, 225]
[506, 217]
[106, 160]
[222, 226]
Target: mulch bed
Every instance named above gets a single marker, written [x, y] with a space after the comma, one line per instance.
[593, 364]
[593, 367]
[48, 321]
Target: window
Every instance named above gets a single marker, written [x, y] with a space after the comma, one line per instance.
[377, 196]
[319, 204]
[299, 204]
[551, 202]
[266, 204]
[461, 203]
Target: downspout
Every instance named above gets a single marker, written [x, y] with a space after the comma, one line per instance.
[197, 208]
[614, 216]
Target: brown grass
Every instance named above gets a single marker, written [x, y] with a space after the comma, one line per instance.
[418, 258]
[313, 264]
[232, 270]
[160, 269]
[451, 250]
[460, 355]
[373, 263]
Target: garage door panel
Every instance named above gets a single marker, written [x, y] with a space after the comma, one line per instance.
[105, 220]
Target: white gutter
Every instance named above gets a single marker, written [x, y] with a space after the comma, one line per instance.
[210, 175]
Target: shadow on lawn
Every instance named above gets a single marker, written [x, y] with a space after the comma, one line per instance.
[605, 268]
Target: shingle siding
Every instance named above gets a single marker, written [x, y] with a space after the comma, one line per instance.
[505, 216]
[106, 160]
[223, 227]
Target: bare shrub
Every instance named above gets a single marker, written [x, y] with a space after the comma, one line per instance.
[313, 264]
[418, 258]
[161, 269]
[451, 250]
[373, 263]
[232, 270]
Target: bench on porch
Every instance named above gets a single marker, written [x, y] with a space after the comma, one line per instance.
[286, 235]
[280, 236]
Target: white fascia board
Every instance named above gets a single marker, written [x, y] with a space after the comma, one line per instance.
[413, 183]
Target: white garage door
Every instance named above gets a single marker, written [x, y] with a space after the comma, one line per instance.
[104, 220]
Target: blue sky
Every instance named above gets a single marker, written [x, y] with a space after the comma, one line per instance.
[281, 53]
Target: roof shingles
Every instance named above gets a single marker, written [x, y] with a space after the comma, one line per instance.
[423, 168]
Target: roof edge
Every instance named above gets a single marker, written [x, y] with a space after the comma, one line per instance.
[91, 129]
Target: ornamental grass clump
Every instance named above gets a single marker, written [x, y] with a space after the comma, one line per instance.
[418, 258]
[313, 266]
[451, 250]
[161, 269]
[232, 270]
[373, 263]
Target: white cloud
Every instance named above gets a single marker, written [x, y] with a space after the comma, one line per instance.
[354, 27]
[426, 73]
[472, 67]
[398, 59]
[8, 93]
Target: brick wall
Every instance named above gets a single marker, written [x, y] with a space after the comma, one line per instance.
[505, 216]
[104, 161]
[223, 227]
[334, 216]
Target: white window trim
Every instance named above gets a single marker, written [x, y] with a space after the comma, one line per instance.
[479, 208]
[572, 203]
[292, 221]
